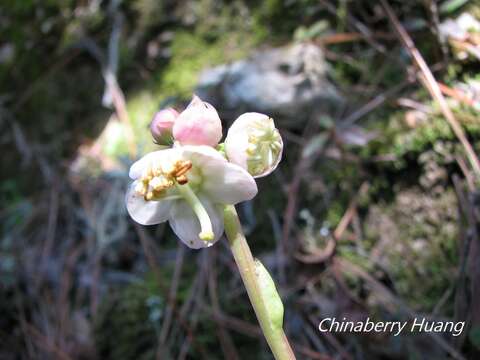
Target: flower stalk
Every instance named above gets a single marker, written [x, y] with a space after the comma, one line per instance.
[274, 335]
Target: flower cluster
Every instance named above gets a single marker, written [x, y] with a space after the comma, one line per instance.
[188, 182]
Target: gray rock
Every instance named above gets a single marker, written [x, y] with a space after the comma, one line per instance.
[287, 83]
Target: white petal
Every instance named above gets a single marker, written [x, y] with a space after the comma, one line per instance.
[223, 182]
[236, 144]
[229, 184]
[156, 157]
[187, 227]
[146, 212]
[245, 121]
[201, 153]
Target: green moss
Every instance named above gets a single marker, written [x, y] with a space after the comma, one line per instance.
[335, 212]
[192, 53]
[127, 324]
[340, 178]
[409, 215]
[406, 143]
[418, 234]
[189, 56]
[282, 18]
[434, 129]
[415, 240]
[141, 108]
[129, 318]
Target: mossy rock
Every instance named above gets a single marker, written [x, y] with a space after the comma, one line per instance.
[407, 134]
[409, 216]
[126, 327]
[416, 238]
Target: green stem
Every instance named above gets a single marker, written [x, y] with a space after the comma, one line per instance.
[276, 338]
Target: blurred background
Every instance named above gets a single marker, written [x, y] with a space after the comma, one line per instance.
[373, 211]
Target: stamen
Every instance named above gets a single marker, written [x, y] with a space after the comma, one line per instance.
[264, 146]
[182, 179]
[206, 233]
[149, 195]
[168, 168]
[182, 167]
[155, 180]
[141, 188]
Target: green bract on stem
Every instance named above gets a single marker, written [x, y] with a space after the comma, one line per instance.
[255, 277]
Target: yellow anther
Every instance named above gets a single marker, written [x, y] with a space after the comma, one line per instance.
[167, 169]
[156, 179]
[182, 167]
[141, 188]
[159, 183]
[182, 179]
[251, 149]
[157, 194]
[146, 179]
[149, 196]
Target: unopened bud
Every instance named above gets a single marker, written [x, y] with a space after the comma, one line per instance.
[162, 125]
[198, 124]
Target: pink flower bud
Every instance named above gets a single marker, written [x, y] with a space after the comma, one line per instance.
[198, 124]
[162, 124]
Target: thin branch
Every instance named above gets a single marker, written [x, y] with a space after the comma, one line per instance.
[172, 296]
[226, 342]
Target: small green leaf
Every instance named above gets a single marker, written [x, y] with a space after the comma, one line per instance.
[270, 297]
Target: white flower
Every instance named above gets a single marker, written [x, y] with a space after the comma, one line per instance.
[187, 186]
[254, 143]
